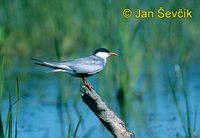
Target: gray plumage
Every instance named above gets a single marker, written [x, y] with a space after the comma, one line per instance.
[82, 67]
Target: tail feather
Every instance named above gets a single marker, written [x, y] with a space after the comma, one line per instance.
[56, 66]
[46, 64]
[36, 60]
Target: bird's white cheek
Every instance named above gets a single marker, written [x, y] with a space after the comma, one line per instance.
[102, 54]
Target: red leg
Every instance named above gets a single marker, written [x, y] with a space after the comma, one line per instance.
[87, 84]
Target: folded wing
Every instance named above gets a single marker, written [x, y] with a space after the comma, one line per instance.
[88, 65]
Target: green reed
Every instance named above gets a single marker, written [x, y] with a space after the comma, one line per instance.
[76, 129]
[1, 79]
[180, 82]
[17, 107]
[1, 94]
[186, 98]
[8, 133]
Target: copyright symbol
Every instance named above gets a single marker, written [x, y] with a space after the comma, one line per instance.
[127, 13]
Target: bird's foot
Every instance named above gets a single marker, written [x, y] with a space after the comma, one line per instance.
[88, 85]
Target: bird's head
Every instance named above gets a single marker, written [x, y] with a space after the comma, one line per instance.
[103, 53]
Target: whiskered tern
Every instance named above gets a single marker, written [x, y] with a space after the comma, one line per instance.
[81, 67]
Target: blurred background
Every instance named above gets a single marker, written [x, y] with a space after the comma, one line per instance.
[153, 85]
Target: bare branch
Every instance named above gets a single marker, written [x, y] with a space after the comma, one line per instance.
[107, 117]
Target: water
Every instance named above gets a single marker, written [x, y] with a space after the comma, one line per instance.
[153, 116]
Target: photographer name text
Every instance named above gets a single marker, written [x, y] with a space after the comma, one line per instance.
[162, 13]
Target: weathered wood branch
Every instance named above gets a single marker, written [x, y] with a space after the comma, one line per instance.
[107, 117]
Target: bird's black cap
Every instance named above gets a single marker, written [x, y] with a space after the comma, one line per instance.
[101, 50]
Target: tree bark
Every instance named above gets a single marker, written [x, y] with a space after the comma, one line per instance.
[107, 117]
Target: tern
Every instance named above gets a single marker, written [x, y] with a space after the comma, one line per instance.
[81, 67]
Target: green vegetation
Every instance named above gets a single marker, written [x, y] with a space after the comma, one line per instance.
[181, 85]
[63, 29]
[9, 121]
[8, 133]
[1, 93]
[76, 129]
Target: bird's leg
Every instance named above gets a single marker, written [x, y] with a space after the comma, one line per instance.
[87, 84]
